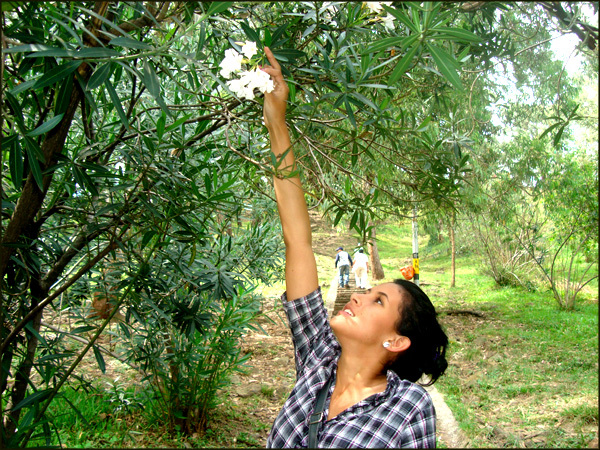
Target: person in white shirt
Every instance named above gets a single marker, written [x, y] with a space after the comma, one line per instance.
[361, 269]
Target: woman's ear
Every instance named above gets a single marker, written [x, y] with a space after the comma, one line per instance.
[399, 344]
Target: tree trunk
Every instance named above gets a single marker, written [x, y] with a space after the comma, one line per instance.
[23, 373]
[453, 246]
[376, 268]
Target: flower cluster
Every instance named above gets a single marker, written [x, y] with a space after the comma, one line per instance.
[376, 8]
[248, 80]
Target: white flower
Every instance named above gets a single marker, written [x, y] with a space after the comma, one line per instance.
[235, 85]
[376, 7]
[250, 80]
[388, 22]
[232, 63]
[249, 49]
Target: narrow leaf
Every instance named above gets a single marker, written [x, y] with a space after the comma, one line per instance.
[401, 17]
[55, 75]
[252, 34]
[34, 398]
[64, 96]
[446, 65]
[16, 163]
[46, 126]
[455, 34]
[96, 52]
[218, 7]
[127, 42]
[99, 76]
[116, 102]
[402, 65]
[99, 358]
[559, 134]
[151, 80]
[549, 129]
[22, 87]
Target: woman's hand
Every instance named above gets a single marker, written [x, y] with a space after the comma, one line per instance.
[276, 100]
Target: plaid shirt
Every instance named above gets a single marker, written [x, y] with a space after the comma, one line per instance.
[402, 416]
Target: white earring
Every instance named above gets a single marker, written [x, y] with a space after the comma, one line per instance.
[386, 344]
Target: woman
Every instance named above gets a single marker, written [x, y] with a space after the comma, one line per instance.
[374, 349]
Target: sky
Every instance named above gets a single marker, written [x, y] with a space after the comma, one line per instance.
[564, 48]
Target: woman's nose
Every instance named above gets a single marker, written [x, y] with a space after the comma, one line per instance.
[355, 298]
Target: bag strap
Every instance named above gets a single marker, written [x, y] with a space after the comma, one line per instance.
[317, 415]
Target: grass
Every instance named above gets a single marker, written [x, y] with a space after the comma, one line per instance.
[526, 373]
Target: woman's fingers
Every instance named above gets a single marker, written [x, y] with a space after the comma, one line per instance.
[271, 58]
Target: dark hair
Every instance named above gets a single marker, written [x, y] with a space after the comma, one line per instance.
[428, 342]
[360, 250]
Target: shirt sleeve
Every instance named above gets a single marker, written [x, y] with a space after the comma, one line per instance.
[307, 318]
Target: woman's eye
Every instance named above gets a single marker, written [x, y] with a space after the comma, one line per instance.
[379, 301]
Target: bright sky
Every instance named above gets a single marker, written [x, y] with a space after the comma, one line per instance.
[564, 48]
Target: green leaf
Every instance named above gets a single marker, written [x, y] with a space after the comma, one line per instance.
[454, 34]
[35, 398]
[63, 98]
[549, 129]
[383, 44]
[99, 76]
[559, 134]
[425, 124]
[52, 52]
[96, 52]
[338, 217]
[55, 75]
[277, 34]
[15, 162]
[83, 329]
[178, 122]
[446, 64]
[9, 6]
[151, 80]
[22, 87]
[160, 126]
[26, 48]
[116, 103]
[252, 34]
[402, 18]
[403, 64]
[34, 165]
[38, 336]
[218, 7]
[288, 54]
[99, 358]
[127, 42]
[147, 237]
[84, 180]
[353, 219]
[350, 112]
[46, 126]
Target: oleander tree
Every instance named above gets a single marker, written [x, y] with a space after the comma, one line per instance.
[135, 167]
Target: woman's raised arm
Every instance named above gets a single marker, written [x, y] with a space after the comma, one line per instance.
[300, 265]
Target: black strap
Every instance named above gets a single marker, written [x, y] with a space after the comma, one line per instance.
[317, 415]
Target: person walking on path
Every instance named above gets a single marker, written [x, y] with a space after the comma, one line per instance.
[360, 267]
[343, 261]
[356, 374]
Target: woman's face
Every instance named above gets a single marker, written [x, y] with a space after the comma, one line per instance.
[370, 317]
